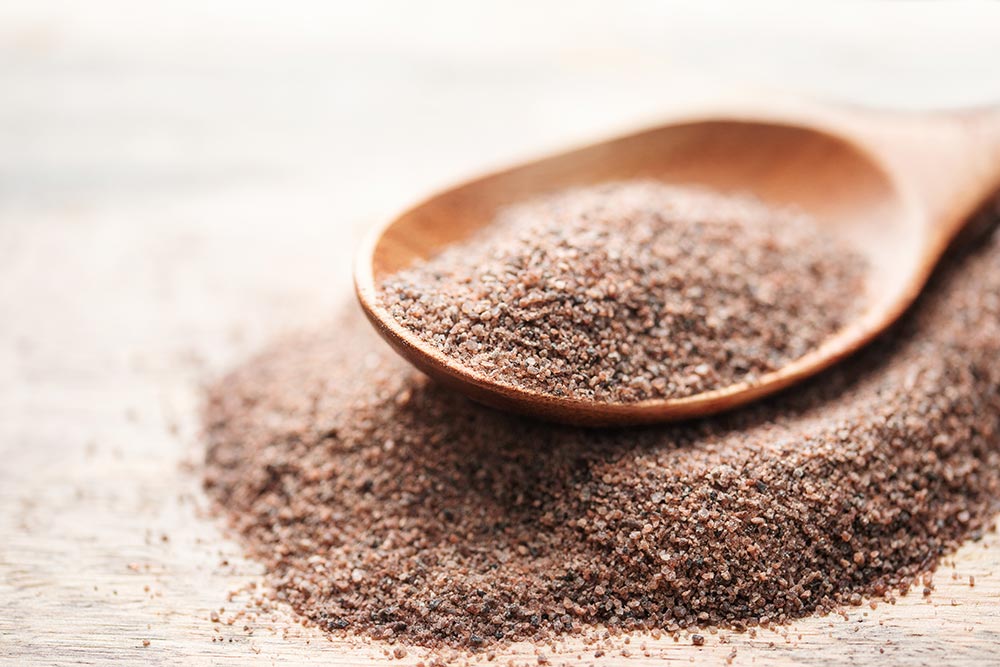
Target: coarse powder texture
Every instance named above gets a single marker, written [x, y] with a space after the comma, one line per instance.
[630, 291]
[382, 504]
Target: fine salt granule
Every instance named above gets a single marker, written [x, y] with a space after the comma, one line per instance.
[385, 505]
[630, 291]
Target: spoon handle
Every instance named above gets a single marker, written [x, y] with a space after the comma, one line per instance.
[948, 163]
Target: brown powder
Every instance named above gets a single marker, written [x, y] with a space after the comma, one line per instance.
[383, 504]
[635, 290]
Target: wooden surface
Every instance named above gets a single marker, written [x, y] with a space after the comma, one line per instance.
[178, 185]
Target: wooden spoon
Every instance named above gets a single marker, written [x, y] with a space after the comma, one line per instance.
[898, 186]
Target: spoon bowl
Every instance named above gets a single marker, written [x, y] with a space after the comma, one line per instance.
[860, 175]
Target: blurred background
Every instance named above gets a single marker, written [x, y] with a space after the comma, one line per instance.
[181, 180]
[236, 148]
[193, 120]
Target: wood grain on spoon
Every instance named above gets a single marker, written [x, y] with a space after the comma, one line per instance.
[897, 186]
